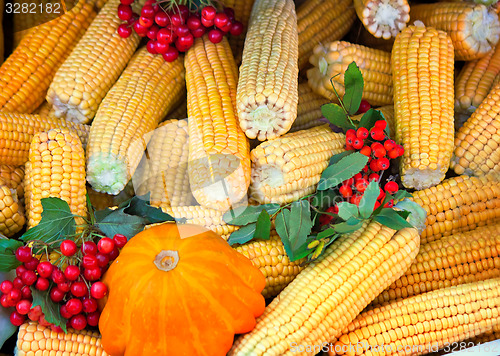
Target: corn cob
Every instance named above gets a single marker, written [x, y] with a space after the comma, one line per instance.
[56, 168]
[383, 18]
[45, 110]
[422, 68]
[328, 294]
[219, 154]
[270, 257]
[331, 60]
[85, 77]
[17, 130]
[34, 339]
[198, 215]
[267, 93]
[456, 259]
[459, 204]
[388, 112]
[424, 323]
[474, 29]
[12, 218]
[289, 167]
[27, 73]
[475, 80]
[242, 9]
[308, 109]
[163, 171]
[322, 21]
[14, 178]
[477, 151]
[147, 89]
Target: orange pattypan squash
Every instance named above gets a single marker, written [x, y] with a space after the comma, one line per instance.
[179, 290]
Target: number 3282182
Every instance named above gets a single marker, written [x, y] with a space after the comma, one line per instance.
[32, 8]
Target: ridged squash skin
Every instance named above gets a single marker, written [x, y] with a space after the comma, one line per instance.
[190, 300]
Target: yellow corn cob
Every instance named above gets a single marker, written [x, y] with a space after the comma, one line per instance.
[383, 18]
[474, 29]
[34, 339]
[388, 113]
[219, 153]
[267, 94]
[360, 35]
[45, 110]
[270, 257]
[456, 259]
[308, 109]
[422, 69]
[331, 60]
[11, 212]
[14, 177]
[477, 150]
[56, 168]
[485, 337]
[459, 204]
[289, 167]
[198, 215]
[424, 323]
[475, 80]
[322, 21]
[17, 130]
[86, 76]
[242, 10]
[328, 294]
[163, 171]
[27, 73]
[147, 89]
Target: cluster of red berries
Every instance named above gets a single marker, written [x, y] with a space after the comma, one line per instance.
[76, 288]
[174, 31]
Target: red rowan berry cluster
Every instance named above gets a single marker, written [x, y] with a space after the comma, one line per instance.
[173, 31]
[75, 287]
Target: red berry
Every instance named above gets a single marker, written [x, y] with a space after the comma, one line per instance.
[391, 187]
[162, 19]
[56, 295]
[374, 165]
[227, 28]
[381, 196]
[183, 10]
[345, 190]
[170, 56]
[357, 143]
[325, 219]
[389, 204]
[380, 124]
[355, 199]
[15, 295]
[17, 319]
[89, 261]
[166, 35]
[362, 133]
[68, 248]
[72, 272]
[364, 106]
[396, 152]
[140, 29]
[26, 292]
[377, 205]
[35, 313]
[193, 22]
[105, 245]
[56, 328]
[124, 31]
[114, 254]
[42, 284]
[18, 282]
[215, 35]
[161, 47]
[152, 32]
[98, 290]
[74, 306]
[64, 312]
[361, 185]
[43, 322]
[127, 2]
[89, 304]
[176, 20]
[236, 28]
[366, 150]
[6, 286]
[120, 240]
[79, 289]
[208, 12]
[125, 12]
[221, 20]
[102, 259]
[78, 322]
[57, 276]
[92, 274]
[23, 254]
[20, 270]
[23, 306]
[64, 286]
[207, 23]
[373, 177]
[5, 301]
[32, 264]
[350, 133]
[148, 11]
[378, 150]
[147, 22]
[382, 163]
[44, 269]
[348, 147]
[230, 13]
[29, 278]
[93, 318]
[389, 144]
[377, 134]
[356, 177]
[182, 30]
[184, 43]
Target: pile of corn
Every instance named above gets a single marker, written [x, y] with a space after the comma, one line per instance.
[83, 110]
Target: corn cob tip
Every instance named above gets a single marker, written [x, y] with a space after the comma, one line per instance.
[264, 123]
[65, 110]
[107, 173]
[385, 18]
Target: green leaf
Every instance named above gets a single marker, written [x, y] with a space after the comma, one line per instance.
[49, 308]
[242, 235]
[347, 211]
[417, 213]
[337, 157]
[248, 214]
[57, 222]
[336, 115]
[263, 229]
[138, 205]
[119, 222]
[347, 227]
[323, 199]
[367, 202]
[8, 259]
[400, 194]
[390, 218]
[326, 233]
[369, 118]
[353, 84]
[344, 169]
